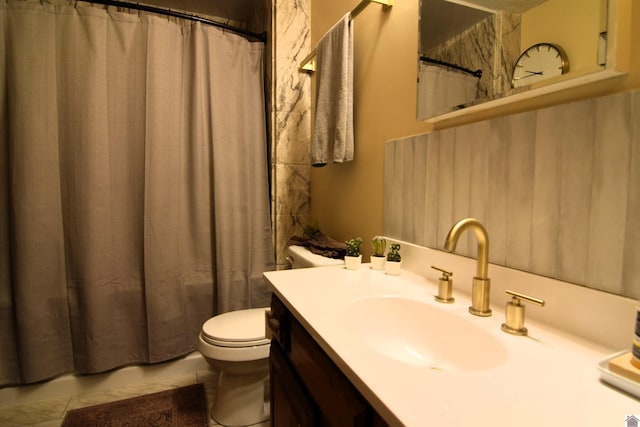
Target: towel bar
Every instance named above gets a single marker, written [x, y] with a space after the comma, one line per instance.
[309, 62]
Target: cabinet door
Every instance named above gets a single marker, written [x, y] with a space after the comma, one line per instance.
[339, 403]
[290, 404]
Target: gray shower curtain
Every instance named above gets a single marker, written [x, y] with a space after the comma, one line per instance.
[133, 186]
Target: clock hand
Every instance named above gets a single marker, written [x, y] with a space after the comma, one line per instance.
[531, 74]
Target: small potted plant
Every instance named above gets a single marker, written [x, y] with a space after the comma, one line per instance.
[377, 259]
[353, 258]
[394, 260]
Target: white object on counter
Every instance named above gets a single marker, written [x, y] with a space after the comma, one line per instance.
[616, 380]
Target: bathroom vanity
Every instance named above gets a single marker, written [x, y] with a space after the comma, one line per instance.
[364, 348]
[307, 388]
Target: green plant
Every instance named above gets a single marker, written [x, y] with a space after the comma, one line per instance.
[353, 246]
[394, 253]
[379, 244]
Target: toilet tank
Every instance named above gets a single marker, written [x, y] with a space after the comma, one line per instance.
[301, 257]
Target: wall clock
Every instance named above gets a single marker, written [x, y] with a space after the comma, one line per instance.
[539, 62]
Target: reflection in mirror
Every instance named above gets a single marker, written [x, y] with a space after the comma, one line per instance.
[468, 48]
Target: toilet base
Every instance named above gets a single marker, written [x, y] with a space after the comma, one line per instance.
[240, 399]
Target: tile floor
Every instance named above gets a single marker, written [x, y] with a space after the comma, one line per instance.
[51, 412]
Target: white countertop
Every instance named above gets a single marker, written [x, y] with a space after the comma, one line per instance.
[549, 378]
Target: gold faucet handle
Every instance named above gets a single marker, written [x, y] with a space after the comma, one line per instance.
[517, 297]
[445, 286]
[515, 313]
[445, 274]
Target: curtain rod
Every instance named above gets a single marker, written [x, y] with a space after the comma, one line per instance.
[476, 73]
[309, 63]
[162, 11]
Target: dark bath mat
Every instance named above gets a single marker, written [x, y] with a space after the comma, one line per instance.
[184, 406]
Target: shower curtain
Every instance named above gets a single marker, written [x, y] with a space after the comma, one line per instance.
[442, 89]
[133, 186]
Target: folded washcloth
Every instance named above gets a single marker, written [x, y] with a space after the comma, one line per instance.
[333, 129]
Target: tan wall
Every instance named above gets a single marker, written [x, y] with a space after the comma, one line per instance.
[346, 200]
[578, 37]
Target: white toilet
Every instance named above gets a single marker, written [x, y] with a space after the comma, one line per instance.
[234, 344]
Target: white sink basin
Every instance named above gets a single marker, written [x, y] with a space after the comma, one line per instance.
[419, 334]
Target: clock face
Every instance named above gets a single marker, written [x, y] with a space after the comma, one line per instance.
[539, 62]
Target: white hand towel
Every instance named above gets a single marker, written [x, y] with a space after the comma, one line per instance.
[333, 129]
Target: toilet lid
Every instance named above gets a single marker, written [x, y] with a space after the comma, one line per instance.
[240, 328]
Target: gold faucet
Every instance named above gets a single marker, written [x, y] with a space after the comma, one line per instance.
[481, 287]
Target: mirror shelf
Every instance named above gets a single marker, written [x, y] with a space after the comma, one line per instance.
[529, 93]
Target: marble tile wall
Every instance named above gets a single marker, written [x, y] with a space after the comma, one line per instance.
[508, 48]
[488, 46]
[558, 190]
[291, 119]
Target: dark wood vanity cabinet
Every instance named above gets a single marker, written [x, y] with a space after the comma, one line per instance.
[307, 388]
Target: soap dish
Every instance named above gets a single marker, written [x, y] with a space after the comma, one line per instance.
[616, 380]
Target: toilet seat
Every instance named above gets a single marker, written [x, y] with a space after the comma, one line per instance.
[240, 328]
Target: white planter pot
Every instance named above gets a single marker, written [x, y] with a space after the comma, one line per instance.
[352, 262]
[393, 267]
[377, 262]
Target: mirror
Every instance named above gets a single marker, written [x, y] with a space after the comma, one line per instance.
[468, 50]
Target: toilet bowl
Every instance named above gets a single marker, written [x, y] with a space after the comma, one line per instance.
[234, 344]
